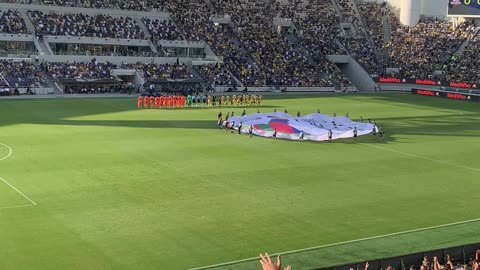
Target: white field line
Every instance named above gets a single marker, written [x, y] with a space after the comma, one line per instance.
[18, 191]
[16, 206]
[425, 158]
[10, 151]
[341, 243]
[367, 238]
[13, 187]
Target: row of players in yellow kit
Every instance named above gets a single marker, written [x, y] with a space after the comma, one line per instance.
[235, 100]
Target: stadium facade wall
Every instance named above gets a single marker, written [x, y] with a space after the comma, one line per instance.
[410, 12]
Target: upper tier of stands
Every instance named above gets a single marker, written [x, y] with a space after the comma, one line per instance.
[84, 25]
[256, 52]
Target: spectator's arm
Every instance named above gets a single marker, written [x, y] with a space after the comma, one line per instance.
[449, 263]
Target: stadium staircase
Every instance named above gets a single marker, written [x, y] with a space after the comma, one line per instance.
[143, 27]
[337, 10]
[28, 23]
[387, 37]
[462, 47]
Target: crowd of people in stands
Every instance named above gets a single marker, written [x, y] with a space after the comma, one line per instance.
[142, 5]
[19, 74]
[423, 49]
[464, 67]
[357, 42]
[12, 23]
[83, 25]
[79, 70]
[162, 30]
[257, 53]
[102, 70]
[164, 71]
[216, 75]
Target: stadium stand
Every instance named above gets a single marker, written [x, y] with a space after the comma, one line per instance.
[464, 68]
[19, 74]
[146, 5]
[162, 30]
[285, 43]
[12, 23]
[82, 25]
[155, 71]
[421, 50]
[74, 70]
[214, 74]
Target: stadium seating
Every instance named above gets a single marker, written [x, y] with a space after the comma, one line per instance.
[162, 30]
[464, 68]
[155, 71]
[420, 50]
[254, 51]
[74, 70]
[215, 74]
[12, 23]
[19, 74]
[83, 25]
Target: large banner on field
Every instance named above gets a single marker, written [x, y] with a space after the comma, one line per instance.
[315, 127]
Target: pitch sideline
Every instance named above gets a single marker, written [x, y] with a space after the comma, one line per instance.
[32, 202]
[341, 243]
[367, 238]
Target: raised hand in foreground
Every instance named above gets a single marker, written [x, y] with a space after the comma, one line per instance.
[267, 263]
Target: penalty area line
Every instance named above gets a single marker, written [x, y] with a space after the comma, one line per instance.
[342, 243]
[32, 202]
[18, 191]
[10, 151]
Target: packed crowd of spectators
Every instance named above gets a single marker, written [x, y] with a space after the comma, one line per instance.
[424, 48]
[143, 5]
[255, 52]
[215, 74]
[101, 70]
[357, 42]
[83, 25]
[373, 14]
[12, 23]
[193, 17]
[79, 70]
[19, 74]
[276, 60]
[163, 71]
[464, 68]
[162, 30]
[121, 88]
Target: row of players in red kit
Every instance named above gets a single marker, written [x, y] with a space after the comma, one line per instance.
[161, 102]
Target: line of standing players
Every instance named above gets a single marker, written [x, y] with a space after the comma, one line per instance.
[157, 102]
[161, 102]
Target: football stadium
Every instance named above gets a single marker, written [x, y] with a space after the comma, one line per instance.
[240, 135]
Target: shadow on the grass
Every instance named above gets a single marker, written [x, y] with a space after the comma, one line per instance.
[448, 123]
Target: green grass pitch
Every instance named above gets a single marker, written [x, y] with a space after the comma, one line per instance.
[121, 188]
